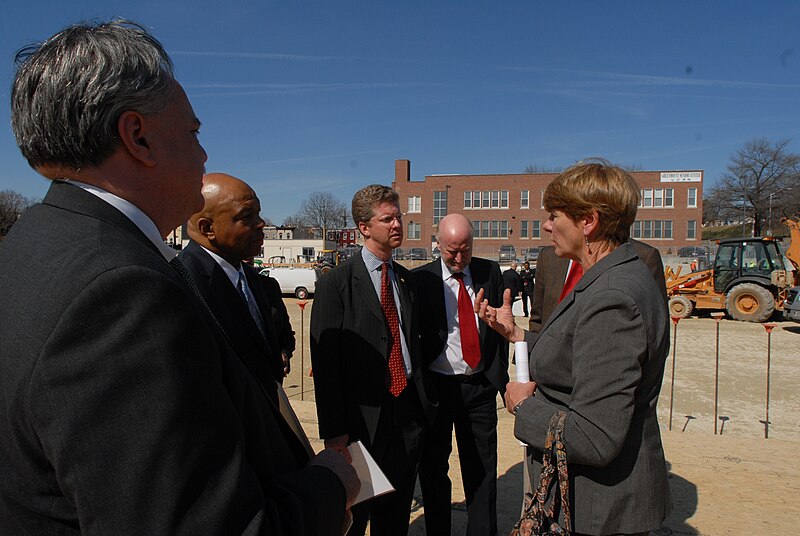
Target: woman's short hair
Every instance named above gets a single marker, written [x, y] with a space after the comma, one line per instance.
[601, 186]
[368, 198]
[70, 91]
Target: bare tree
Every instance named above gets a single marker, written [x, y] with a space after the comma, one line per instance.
[321, 211]
[761, 175]
[12, 205]
[538, 168]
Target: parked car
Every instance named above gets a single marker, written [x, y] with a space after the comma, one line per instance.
[436, 254]
[417, 254]
[299, 281]
[398, 254]
[507, 253]
[791, 307]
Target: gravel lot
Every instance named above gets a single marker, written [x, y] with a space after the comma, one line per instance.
[733, 483]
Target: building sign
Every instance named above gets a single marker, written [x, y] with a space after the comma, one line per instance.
[682, 176]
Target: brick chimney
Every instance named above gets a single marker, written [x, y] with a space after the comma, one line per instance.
[402, 170]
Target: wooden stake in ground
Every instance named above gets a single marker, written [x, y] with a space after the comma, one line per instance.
[675, 320]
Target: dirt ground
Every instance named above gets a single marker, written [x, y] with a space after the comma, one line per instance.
[734, 482]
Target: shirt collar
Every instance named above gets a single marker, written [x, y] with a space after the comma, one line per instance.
[133, 213]
[230, 270]
[371, 261]
[447, 273]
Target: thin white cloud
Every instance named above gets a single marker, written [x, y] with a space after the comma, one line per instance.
[228, 90]
[616, 79]
[259, 55]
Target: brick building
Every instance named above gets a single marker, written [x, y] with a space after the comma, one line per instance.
[507, 209]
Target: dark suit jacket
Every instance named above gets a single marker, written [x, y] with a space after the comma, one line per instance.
[600, 356]
[494, 349]
[263, 355]
[551, 272]
[350, 350]
[512, 280]
[280, 315]
[122, 410]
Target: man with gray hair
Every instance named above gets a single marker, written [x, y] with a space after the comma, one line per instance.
[124, 409]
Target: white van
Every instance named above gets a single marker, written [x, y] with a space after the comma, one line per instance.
[299, 281]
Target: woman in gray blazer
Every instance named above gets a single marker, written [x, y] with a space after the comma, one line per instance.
[600, 357]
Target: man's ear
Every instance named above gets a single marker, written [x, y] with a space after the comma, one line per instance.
[206, 228]
[133, 130]
[364, 228]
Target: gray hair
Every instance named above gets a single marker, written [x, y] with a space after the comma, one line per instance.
[70, 91]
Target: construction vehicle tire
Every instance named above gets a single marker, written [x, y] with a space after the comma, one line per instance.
[680, 306]
[750, 303]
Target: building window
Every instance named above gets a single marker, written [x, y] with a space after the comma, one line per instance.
[439, 206]
[658, 198]
[414, 203]
[692, 198]
[523, 199]
[652, 229]
[536, 229]
[486, 199]
[490, 229]
[647, 198]
[523, 229]
[691, 230]
[413, 231]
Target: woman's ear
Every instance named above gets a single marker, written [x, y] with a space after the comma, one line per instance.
[591, 222]
[132, 130]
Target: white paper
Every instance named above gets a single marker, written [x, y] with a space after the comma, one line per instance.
[521, 361]
[373, 481]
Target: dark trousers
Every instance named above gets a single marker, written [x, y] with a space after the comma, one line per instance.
[471, 408]
[525, 297]
[397, 448]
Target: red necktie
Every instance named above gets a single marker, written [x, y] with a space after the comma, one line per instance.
[397, 368]
[470, 341]
[574, 275]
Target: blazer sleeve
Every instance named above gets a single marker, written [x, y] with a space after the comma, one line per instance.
[656, 266]
[537, 304]
[142, 434]
[607, 354]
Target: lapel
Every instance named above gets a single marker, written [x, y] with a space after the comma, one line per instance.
[265, 308]
[406, 308]
[619, 255]
[480, 279]
[362, 285]
[231, 310]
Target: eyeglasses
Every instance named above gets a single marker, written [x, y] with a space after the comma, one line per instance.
[389, 220]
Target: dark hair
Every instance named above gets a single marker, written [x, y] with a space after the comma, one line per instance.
[70, 91]
[368, 198]
[596, 185]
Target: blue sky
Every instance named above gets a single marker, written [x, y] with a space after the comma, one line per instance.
[301, 96]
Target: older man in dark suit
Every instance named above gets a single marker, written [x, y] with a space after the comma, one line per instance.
[124, 409]
[551, 274]
[368, 378]
[469, 364]
[225, 233]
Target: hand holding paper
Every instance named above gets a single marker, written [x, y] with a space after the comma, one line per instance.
[373, 481]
